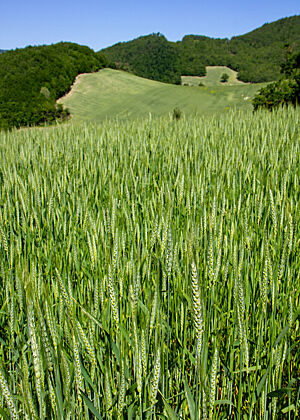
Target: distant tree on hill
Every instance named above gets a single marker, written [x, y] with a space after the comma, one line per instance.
[224, 78]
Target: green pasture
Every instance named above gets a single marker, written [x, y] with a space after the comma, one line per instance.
[213, 76]
[112, 93]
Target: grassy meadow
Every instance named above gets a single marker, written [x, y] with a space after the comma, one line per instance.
[150, 269]
[213, 76]
[111, 94]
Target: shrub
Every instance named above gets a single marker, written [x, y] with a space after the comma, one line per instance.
[278, 93]
[176, 114]
[285, 91]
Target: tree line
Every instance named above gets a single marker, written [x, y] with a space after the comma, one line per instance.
[256, 56]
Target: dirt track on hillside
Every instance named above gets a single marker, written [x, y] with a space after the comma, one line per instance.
[76, 81]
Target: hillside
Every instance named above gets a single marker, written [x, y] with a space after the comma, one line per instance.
[114, 93]
[256, 55]
[146, 57]
[2, 51]
[212, 77]
[33, 78]
[152, 57]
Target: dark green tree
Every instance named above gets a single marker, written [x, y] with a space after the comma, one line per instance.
[285, 91]
[224, 78]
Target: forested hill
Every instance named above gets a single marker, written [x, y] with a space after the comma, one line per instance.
[33, 78]
[256, 55]
[2, 51]
[151, 56]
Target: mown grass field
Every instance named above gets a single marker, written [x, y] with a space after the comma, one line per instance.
[112, 93]
[213, 76]
[150, 269]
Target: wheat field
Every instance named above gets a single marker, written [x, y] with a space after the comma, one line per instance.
[150, 269]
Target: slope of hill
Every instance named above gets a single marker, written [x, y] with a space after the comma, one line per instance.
[2, 51]
[256, 55]
[114, 93]
[152, 57]
[33, 78]
[212, 77]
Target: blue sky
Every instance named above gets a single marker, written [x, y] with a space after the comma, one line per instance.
[98, 23]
